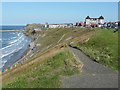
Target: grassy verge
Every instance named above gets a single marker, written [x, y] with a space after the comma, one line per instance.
[45, 74]
[102, 47]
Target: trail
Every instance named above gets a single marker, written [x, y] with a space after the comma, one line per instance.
[93, 75]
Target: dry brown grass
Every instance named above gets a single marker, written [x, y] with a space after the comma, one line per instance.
[40, 57]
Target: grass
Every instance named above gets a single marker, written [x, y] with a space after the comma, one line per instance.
[24, 76]
[103, 48]
[49, 38]
[52, 36]
[45, 74]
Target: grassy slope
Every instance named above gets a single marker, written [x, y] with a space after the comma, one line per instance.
[103, 48]
[50, 37]
[102, 44]
[46, 38]
[46, 74]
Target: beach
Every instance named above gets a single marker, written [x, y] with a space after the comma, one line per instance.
[17, 55]
[14, 44]
[23, 55]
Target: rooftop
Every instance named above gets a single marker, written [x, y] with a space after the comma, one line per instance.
[101, 17]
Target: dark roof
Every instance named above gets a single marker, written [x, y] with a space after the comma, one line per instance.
[87, 17]
[101, 17]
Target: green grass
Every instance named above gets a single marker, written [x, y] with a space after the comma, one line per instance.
[52, 36]
[45, 74]
[103, 48]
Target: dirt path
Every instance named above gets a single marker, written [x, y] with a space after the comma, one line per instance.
[94, 75]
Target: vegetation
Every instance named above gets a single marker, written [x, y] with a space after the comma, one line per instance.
[45, 74]
[99, 44]
[49, 38]
[102, 47]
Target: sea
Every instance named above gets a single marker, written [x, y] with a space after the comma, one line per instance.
[13, 45]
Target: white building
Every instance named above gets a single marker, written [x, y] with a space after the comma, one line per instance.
[98, 21]
[58, 25]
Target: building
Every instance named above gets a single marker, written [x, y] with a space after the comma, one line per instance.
[94, 21]
[64, 25]
[56, 26]
[80, 24]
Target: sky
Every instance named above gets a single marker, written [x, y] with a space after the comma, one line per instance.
[60, 0]
[22, 13]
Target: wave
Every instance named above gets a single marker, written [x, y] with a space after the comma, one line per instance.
[14, 41]
[13, 47]
[9, 50]
[2, 63]
[18, 45]
[13, 51]
[19, 40]
[13, 37]
[13, 33]
[8, 39]
[9, 54]
[18, 34]
[3, 55]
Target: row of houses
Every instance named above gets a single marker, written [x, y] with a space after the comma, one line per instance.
[64, 25]
[94, 22]
[104, 25]
[88, 22]
[97, 22]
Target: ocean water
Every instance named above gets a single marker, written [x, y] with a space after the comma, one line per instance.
[14, 45]
[4, 27]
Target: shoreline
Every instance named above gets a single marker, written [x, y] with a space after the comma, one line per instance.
[25, 57]
[17, 56]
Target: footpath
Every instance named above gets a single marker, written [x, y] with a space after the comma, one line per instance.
[93, 75]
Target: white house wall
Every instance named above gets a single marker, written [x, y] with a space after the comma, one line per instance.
[102, 21]
[57, 26]
[91, 21]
